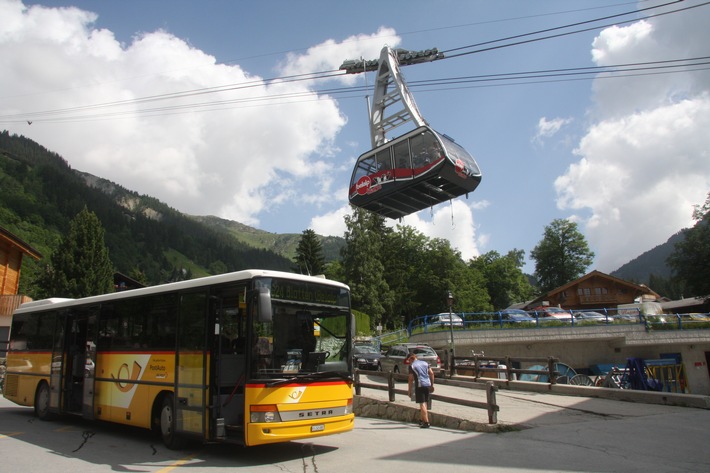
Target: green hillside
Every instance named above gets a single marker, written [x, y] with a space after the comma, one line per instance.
[282, 243]
[41, 194]
[651, 262]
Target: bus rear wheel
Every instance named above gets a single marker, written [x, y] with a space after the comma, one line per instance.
[42, 402]
[167, 424]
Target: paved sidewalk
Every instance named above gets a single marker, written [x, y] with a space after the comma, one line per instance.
[517, 409]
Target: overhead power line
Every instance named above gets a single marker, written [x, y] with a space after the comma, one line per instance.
[566, 33]
[118, 108]
[482, 80]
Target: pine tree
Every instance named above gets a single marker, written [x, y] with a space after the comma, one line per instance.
[362, 259]
[80, 266]
[309, 254]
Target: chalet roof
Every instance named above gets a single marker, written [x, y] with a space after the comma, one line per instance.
[126, 282]
[642, 288]
[19, 244]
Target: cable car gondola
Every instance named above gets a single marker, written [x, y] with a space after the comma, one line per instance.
[417, 170]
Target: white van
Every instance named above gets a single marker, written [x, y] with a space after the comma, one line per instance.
[632, 311]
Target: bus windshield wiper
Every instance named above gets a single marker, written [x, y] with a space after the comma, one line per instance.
[311, 377]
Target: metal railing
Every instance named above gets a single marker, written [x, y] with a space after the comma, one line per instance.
[485, 366]
[592, 318]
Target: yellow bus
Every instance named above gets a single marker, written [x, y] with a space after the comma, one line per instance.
[251, 357]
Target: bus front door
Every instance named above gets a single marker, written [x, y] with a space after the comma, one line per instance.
[75, 361]
[58, 366]
[191, 373]
[90, 364]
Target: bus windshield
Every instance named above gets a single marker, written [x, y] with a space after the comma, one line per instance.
[308, 332]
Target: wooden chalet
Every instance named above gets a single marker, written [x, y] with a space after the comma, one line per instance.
[595, 290]
[12, 250]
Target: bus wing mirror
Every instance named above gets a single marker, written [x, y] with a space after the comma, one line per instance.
[264, 304]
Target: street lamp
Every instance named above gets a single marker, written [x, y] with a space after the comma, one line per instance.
[450, 301]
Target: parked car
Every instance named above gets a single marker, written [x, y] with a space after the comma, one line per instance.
[697, 317]
[445, 319]
[554, 313]
[366, 357]
[590, 316]
[628, 315]
[516, 316]
[395, 358]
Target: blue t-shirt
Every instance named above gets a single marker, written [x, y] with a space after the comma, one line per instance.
[420, 369]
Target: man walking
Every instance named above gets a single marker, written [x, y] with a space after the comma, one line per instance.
[421, 383]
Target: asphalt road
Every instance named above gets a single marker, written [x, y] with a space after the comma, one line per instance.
[674, 440]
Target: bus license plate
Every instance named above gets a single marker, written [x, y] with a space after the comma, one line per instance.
[318, 428]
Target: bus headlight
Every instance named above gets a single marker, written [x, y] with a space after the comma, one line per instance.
[349, 407]
[264, 413]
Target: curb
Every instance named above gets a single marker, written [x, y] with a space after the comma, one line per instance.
[368, 407]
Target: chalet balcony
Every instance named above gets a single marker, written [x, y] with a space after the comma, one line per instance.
[599, 299]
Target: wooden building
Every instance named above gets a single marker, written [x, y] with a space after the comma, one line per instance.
[12, 250]
[595, 290]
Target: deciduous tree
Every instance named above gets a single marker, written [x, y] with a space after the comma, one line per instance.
[690, 259]
[561, 256]
[504, 277]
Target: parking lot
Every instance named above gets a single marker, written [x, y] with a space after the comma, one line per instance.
[668, 440]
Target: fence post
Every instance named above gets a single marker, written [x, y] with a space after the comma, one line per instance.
[508, 370]
[358, 388]
[452, 370]
[390, 386]
[551, 370]
[492, 404]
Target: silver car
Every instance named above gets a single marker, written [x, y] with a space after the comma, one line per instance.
[445, 319]
[395, 358]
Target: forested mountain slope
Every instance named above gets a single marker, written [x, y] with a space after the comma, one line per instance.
[651, 262]
[40, 194]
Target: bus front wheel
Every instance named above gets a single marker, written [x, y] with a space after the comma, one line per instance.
[167, 424]
[42, 402]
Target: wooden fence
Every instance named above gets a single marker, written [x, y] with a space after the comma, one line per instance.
[490, 405]
[480, 366]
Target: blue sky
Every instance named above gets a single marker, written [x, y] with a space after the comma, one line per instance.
[624, 157]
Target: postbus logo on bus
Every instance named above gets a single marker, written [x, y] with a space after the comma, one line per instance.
[124, 373]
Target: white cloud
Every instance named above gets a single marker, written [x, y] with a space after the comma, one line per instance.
[331, 223]
[548, 128]
[453, 222]
[644, 161]
[329, 55]
[236, 155]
